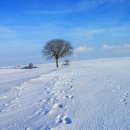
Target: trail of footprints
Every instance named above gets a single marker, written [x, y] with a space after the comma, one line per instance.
[57, 91]
[65, 119]
[55, 95]
[124, 99]
[116, 89]
[10, 104]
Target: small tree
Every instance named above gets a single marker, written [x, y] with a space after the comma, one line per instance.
[30, 65]
[67, 62]
[56, 49]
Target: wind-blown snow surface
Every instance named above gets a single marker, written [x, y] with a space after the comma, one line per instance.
[87, 95]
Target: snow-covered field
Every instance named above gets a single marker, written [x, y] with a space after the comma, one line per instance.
[87, 95]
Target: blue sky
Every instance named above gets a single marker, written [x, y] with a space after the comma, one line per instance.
[96, 28]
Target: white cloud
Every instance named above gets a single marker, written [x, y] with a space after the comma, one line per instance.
[114, 47]
[82, 49]
[108, 47]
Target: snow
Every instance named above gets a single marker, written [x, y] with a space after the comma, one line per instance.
[87, 95]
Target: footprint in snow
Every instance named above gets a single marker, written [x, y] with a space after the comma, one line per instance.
[56, 106]
[64, 91]
[71, 87]
[58, 120]
[125, 95]
[63, 119]
[42, 111]
[27, 128]
[69, 97]
[67, 120]
[124, 101]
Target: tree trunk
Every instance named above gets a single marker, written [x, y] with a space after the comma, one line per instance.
[57, 63]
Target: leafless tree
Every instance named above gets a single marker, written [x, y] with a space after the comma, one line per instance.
[56, 49]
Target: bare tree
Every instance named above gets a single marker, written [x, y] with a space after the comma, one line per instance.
[56, 49]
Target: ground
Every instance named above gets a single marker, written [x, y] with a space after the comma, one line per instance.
[87, 95]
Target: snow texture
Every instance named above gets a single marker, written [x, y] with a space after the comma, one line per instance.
[87, 95]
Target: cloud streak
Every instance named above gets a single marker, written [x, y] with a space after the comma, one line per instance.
[116, 47]
[83, 49]
[82, 5]
[90, 33]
